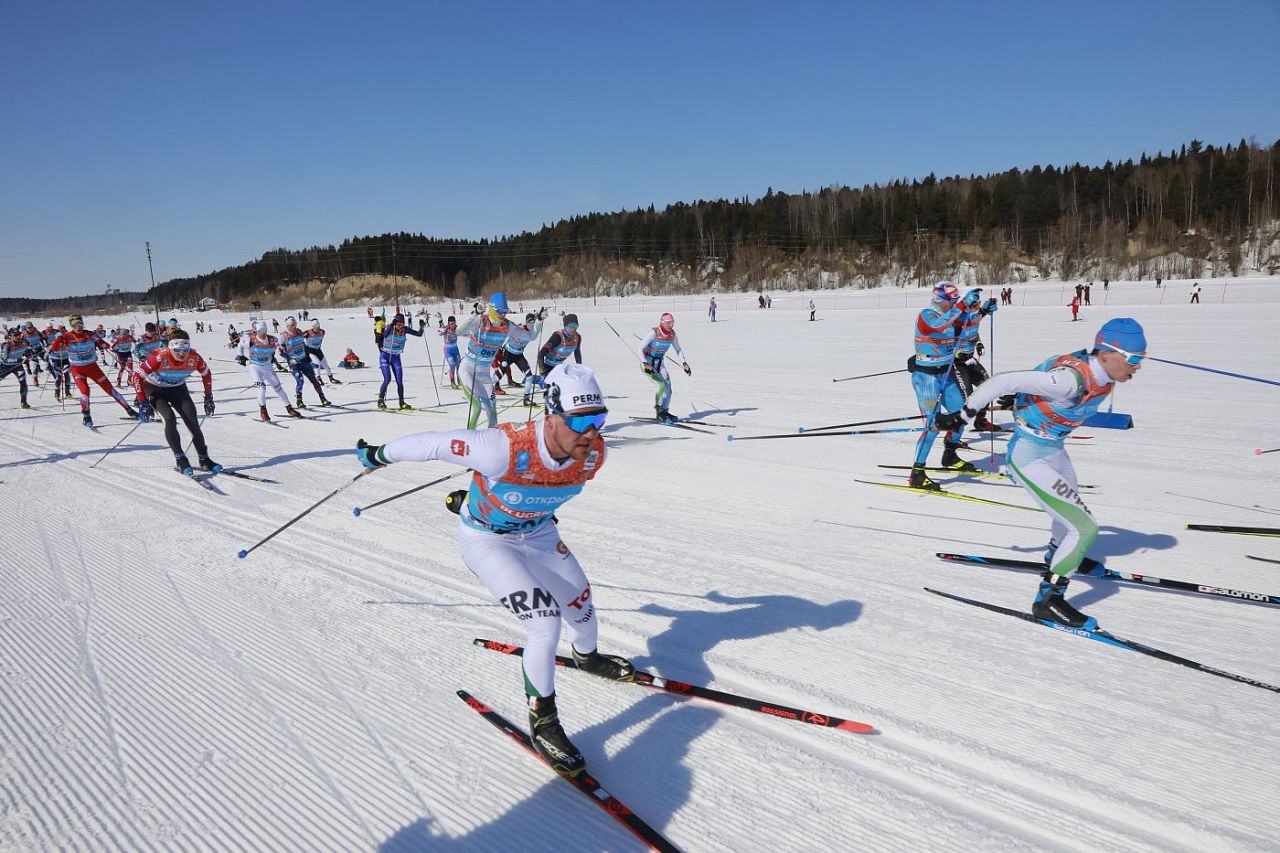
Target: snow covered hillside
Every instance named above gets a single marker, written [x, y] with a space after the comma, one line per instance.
[156, 692]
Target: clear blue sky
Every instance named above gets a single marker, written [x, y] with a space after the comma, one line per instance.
[224, 131]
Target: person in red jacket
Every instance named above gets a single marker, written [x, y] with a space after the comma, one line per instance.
[164, 376]
[81, 350]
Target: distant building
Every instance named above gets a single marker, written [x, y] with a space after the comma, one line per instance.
[206, 304]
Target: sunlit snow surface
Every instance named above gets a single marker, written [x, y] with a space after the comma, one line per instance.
[158, 693]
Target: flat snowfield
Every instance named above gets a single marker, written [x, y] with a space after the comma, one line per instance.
[156, 692]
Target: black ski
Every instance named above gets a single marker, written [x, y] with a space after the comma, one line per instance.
[995, 475]
[1262, 559]
[585, 782]
[1110, 639]
[1112, 574]
[676, 424]
[227, 473]
[680, 688]
[1247, 531]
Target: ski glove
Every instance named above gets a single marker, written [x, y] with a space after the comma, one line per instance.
[648, 368]
[208, 404]
[954, 420]
[972, 297]
[370, 455]
[688, 371]
[241, 360]
[990, 306]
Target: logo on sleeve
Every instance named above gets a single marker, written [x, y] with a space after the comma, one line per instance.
[458, 447]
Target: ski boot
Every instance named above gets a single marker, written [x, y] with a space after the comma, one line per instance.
[292, 412]
[550, 740]
[1051, 606]
[324, 401]
[921, 480]
[982, 424]
[88, 420]
[405, 407]
[298, 404]
[25, 405]
[183, 463]
[263, 414]
[209, 465]
[613, 667]
[663, 416]
[952, 460]
[497, 390]
[382, 404]
[334, 380]
[131, 412]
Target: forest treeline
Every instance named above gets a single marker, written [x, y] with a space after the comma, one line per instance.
[1198, 211]
[1202, 203]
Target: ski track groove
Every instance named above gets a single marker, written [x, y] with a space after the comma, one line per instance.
[278, 722]
[907, 781]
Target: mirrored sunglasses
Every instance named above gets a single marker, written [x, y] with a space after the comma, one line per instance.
[582, 423]
[1129, 357]
[573, 327]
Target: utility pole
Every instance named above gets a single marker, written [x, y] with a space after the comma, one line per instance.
[395, 278]
[920, 234]
[155, 297]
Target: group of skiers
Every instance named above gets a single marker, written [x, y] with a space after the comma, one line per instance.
[524, 472]
[1048, 402]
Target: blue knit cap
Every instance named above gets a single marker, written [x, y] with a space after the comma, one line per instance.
[1122, 333]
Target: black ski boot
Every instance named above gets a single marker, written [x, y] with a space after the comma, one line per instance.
[952, 460]
[209, 465]
[183, 463]
[612, 667]
[334, 380]
[88, 421]
[921, 480]
[298, 404]
[405, 407]
[550, 740]
[382, 404]
[665, 417]
[1051, 605]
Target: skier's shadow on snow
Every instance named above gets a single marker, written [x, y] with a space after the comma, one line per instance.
[694, 632]
[1115, 541]
[702, 413]
[658, 752]
[295, 457]
[654, 760]
[76, 454]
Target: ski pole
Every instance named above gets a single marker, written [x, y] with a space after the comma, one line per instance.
[117, 444]
[860, 423]
[816, 434]
[869, 375]
[439, 402]
[622, 340]
[360, 510]
[1212, 370]
[244, 553]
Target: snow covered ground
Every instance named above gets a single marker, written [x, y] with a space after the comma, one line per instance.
[156, 692]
